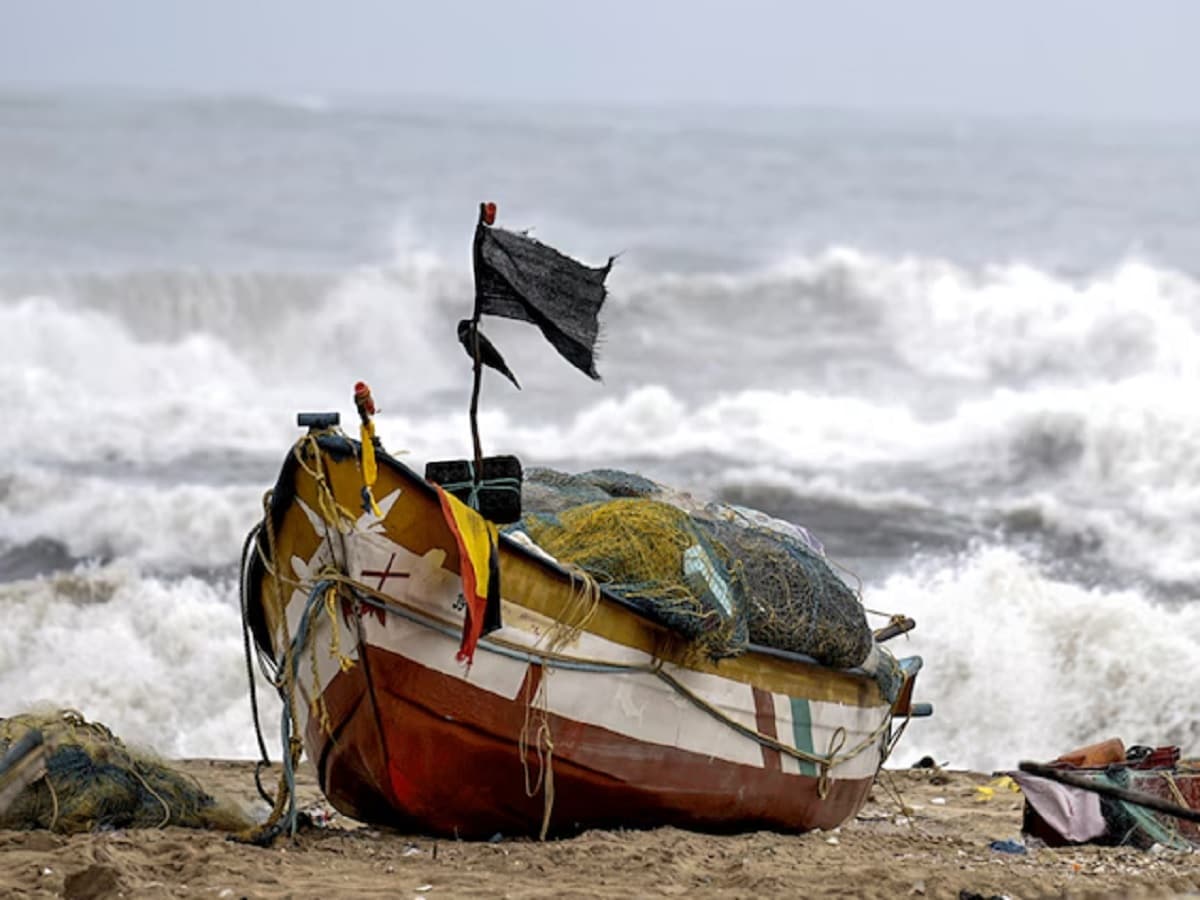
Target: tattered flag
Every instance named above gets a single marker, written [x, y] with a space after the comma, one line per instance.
[520, 278]
[468, 334]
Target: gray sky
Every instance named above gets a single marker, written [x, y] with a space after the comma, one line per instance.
[1041, 57]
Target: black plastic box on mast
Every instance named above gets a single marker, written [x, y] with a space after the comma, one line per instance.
[496, 493]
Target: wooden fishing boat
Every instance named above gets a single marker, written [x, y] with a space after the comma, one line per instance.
[578, 712]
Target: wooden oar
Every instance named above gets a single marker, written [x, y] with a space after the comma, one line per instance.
[1138, 798]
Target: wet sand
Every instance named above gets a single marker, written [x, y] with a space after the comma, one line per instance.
[935, 845]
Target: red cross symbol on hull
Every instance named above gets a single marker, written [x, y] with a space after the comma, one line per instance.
[383, 576]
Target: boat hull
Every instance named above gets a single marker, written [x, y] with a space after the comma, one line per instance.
[577, 713]
[446, 759]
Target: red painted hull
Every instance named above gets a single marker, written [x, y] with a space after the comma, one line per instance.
[420, 750]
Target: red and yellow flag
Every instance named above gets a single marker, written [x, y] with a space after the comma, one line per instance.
[479, 565]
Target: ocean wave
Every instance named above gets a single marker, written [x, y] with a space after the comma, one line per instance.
[1020, 666]
[976, 392]
[165, 527]
[130, 651]
[924, 317]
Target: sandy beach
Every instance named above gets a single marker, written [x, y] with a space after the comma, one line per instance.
[937, 845]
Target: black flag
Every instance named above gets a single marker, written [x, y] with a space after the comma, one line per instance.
[520, 278]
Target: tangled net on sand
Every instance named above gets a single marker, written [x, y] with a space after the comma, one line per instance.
[62, 773]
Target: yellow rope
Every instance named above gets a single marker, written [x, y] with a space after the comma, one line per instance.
[166, 809]
[345, 663]
[1174, 789]
[543, 747]
[577, 612]
[53, 804]
[316, 703]
[837, 740]
[331, 511]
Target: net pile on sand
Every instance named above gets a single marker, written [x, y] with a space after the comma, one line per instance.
[62, 773]
[637, 537]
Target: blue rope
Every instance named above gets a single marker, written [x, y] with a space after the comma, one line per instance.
[315, 596]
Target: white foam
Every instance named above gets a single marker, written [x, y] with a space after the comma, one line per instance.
[78, 386]
[1122, 465]
[1015, 321]
[170, 528]
[81, 383]
[1020, 666]
[160, 662]
[652, 421]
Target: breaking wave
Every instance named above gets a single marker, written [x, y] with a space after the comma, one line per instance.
[1023, 666]
[1006, 453]
[158, 660]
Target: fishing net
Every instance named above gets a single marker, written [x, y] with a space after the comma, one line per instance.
[787, 595]
[550, 492]
[794, 600]
[62, 773]
[654, 556]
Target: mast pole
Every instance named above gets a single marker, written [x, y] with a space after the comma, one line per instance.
[487, 215]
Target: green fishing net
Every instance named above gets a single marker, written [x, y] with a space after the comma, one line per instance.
[751, 577]
[60, 772]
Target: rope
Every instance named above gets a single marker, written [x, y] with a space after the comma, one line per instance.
[331, 511]
[53, 803]
[837, 740]
[889, 787]
[543, 746]
[345, 663]
[1174, 789]
[278, 603]
[153, 793]
[283, 814]
[828, 762]
[551, 658]
[244, 600]
[578, 611]
[896, 735]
